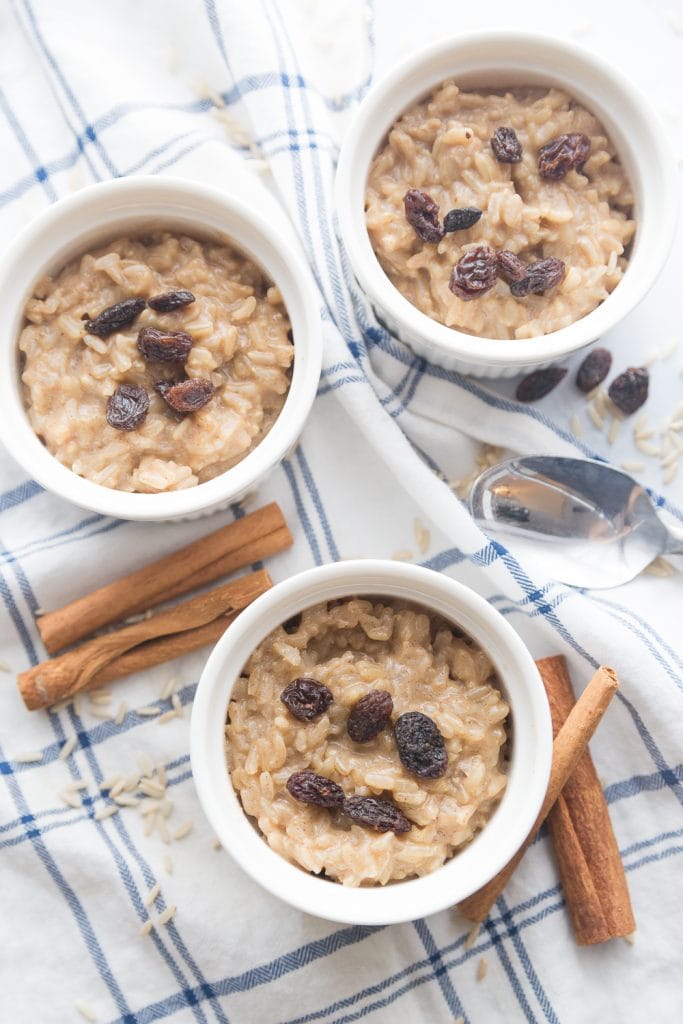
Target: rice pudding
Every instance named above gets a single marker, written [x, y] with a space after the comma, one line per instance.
[530, 214]
[155, 362]
[368, 740]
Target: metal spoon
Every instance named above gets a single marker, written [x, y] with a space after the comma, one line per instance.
[586, 523]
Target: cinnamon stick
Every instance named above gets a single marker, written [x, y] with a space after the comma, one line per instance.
[569, 744]
[240, 543]
[586, 850]
[64, 676]
[155, 652]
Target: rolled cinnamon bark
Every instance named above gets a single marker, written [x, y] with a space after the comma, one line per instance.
[62, 677]
[235, 546]
[586, 849]
[156, 652]
[569, 744]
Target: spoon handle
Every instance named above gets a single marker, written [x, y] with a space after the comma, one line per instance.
[674, 543]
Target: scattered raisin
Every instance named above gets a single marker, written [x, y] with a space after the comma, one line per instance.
[186, 395]
[292, 624]
[629, 390]
[474, 274]
[306, 698]
[506, 147]
[420, 745]
[544, 274]
[378, 814]
[422, 214]
[369, 715]
[169, 301]
[510, 267]
[164, 346]
[461, 219]
[539, 383]
[563, 154]
[113, 318]
[310, 788]
[127, 407]
[593, 369]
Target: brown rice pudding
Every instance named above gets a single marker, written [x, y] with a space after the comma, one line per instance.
[155, 362]
[528, 173]
[427, 763]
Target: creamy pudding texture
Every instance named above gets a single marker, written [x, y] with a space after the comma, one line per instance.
[442, 146]
[240, 348]
[353, 647]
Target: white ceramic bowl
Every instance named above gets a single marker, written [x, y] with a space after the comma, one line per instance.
[495, 60]
[95, 215]
[529, 768]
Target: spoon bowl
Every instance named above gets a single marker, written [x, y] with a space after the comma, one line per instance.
[591, 525]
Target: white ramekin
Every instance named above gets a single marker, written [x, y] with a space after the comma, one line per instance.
[494, 60]
[96, 214]
[531, 746]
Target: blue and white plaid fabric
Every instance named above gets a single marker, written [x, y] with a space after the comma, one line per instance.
[224, 92]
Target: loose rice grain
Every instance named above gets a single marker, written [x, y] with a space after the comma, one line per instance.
[152, 895]
[121, 713]
[167, 716]
[126, 800]
[575, 426]
[30, 757]
[72, 799]
[148, 711]
[183, 830]
[403, 555]
[106, 812]
[100, 712]
[166, 916]
[168, 689]
[482, 969]
[85, 1010]
[68, 748]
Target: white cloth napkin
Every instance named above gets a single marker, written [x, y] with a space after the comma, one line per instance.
[254, 98]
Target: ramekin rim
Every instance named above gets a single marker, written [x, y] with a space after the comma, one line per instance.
[449, 341]
[373, 905]
[61, 480]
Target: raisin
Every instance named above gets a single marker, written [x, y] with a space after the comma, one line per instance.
[420, 745]
[169, 301]
[310, 788]
[474, 274]
[127, 407]
[510, 267]
[422, 214]
[369, 715]
[186, 395]
[629, 390]
[563, 154]
[306, 698]
[378, 814]
[539, 383]
[164, 346]
[461, 219]
[113, 318]
[593, 369]
[544, 274]
[506, 147]
[292, 624]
